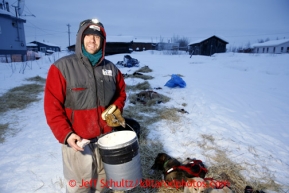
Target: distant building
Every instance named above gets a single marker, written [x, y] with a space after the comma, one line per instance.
[143, 44]
[71, 48]
[43, 47]
[208, 46]
[115, 45]
[32, 47]
[12, 36]
[118, 44]
[274, 47]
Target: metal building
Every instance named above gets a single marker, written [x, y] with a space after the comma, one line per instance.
[12, 35]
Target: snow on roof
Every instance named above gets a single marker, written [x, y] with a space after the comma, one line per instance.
[31, 44]
[203, 39]
[12, 14]
[144, 40]
[119, 38]
[5, 12]
[129, 39]
[49, 44]
[197, 41]
[46, 43]
[271, 43]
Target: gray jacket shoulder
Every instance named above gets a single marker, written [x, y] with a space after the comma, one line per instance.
[65, 60]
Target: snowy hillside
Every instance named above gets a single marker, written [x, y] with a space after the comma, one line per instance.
[242, 100]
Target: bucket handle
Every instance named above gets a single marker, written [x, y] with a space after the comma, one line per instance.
[130, 127]
[115, 131]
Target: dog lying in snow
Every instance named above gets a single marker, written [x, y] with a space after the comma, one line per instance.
[175, 174]
[164, 163]
[193, 168]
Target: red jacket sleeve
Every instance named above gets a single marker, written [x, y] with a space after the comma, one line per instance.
[54, 97]
[120, 91]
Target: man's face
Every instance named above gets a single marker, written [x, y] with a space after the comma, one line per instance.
[91, 43]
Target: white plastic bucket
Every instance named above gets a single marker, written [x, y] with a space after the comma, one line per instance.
[121, 159]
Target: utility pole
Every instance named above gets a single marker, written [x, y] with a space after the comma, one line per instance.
[68, 25]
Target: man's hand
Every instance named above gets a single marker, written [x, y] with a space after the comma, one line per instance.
[72, 140]
[107, 111]
[115, 119]
[112, 116]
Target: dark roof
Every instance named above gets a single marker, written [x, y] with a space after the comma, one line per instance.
[203, 40]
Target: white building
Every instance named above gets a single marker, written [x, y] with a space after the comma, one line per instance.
[274, 47]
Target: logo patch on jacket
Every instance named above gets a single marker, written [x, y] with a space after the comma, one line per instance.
[106, 72]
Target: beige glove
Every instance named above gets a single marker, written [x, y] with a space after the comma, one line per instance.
[113, 117]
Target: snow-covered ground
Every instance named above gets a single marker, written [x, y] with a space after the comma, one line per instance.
[242, 100]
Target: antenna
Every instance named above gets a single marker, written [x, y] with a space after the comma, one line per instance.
[68, 25]
[20, 6]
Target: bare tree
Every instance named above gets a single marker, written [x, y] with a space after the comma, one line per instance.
[248, 45]
[161, 45]
[183, 42]
[260, 41]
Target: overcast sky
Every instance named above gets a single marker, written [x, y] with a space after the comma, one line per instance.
[236, 21]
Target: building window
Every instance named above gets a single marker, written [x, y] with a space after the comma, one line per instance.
[274, 50]
[14, 24]
[42, 49]
[263, 50]
[287, 49]
[267, 50]
[282, 49]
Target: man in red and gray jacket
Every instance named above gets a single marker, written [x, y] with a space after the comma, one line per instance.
[81, 89]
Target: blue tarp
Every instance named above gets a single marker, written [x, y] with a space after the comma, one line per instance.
[128, 61]
[176, 81]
